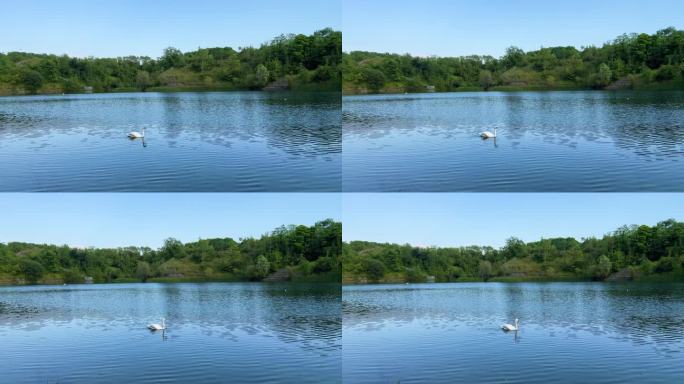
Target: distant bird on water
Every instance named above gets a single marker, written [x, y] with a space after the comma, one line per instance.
[488, 135]
[137, 135]
[509, 327]
[157, 327]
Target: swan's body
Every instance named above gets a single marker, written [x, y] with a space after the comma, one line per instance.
[488, 135]
[509, 327]
[157, 327]
[137, 135]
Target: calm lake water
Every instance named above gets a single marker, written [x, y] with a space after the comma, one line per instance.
[569, 333]
[217, 333]
[547, 141]
[213, 141]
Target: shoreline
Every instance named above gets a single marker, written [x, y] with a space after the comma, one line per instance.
[519, 281]
[175, 281]
[175, 90]
[664, 89]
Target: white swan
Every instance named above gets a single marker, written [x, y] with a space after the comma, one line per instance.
[137, 135]
[488, 135]
[157, 327]
[508, 327]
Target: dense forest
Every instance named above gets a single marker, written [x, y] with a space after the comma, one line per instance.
[630, 61]
[307, 253]
[630, 252]
[289, 61]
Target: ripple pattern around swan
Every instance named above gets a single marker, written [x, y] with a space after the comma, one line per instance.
[222, 141]
[248, 333]
[570, 332]
[547, 141]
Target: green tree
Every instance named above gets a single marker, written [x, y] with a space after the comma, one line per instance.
[172, 249]
[262, 267]
[485, 269]
[142, 80]
[32, 270]
[143, 271]
[172, 58]
[486, 79]
[375, 269]
[603, 267]
[31, 80]
[261, 75]
[604, 75]
[374, 78]
[514, 57]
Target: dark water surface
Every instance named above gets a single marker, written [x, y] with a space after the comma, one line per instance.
[546, 141]
[569, 333]
[217, 333]
[214, 141]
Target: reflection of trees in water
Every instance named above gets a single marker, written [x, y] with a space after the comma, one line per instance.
[300, 124]
[641, 314]
[308, 316]
[647, 124]
[303, 315]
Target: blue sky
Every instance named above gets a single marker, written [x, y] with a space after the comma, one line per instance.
[490, 218]
[105, 28]
[463, 27]
[121, 219]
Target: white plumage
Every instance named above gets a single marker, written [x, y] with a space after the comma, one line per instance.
[509, 327]
[488, 135]
[157, 327]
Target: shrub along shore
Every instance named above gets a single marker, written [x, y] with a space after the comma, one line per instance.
[648, 253]
[298, 253]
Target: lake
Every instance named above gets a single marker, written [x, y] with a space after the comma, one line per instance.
[546, 141]
[216, 332]
[211, 141]
[569, 333]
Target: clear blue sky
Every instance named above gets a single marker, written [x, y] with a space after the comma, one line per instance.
[487, 27]
[491, 218]
[122, 219]
[111, 28]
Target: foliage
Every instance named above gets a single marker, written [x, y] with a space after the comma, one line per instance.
[309, 250]
[300, 59]
[32, 270]
[484, 269]
[375, 269]
[640, 59]
[649, 250]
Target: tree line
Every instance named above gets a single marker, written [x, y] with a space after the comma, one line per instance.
[294, 61]
[631, 251]
[630, 61]
[306, 252]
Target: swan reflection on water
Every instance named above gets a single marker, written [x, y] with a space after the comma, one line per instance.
[142, 139]
[486, 135]
[493, 139]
